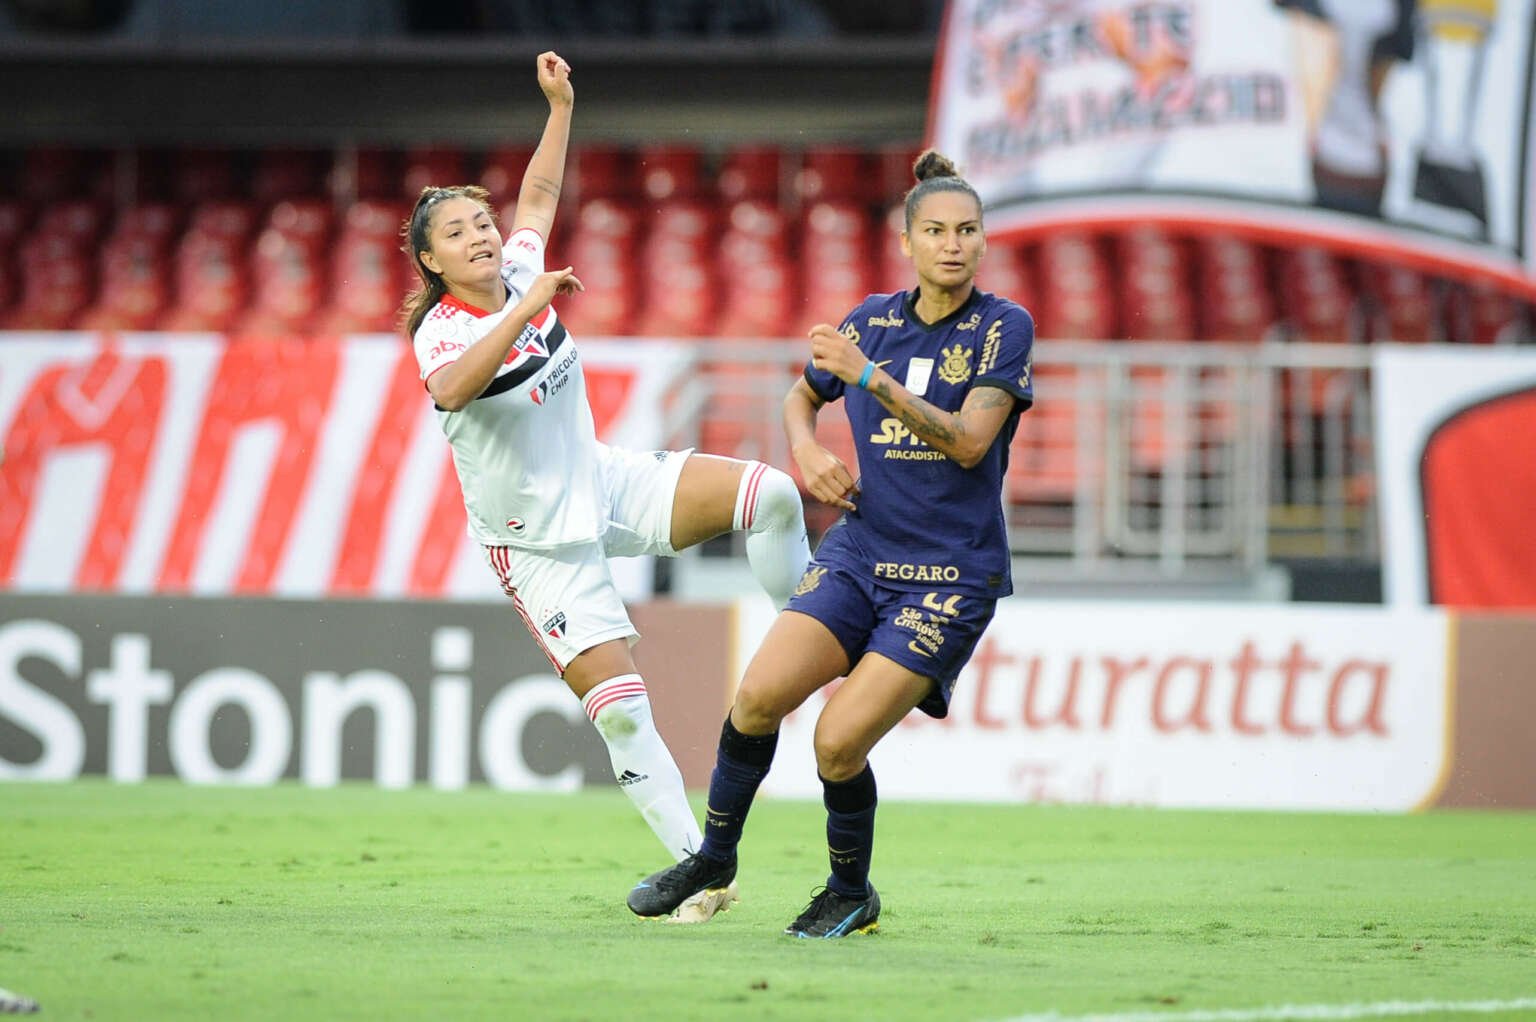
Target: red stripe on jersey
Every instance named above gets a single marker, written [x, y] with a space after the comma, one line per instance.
[749, 512]
[452, 303]
[628, 690]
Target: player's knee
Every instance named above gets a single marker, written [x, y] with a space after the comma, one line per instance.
[778, 502]
[756, 711]
[839, 755]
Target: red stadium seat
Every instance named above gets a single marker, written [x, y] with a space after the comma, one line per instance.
[1316, 296]
[896, 271]
[895, 178]
[305, 220]
[366, 173]
[288, 285]
[600, 172]
[204, 175]
[1154, 287]
[1074, 302]
[85, 219]
[230, 219]
[603, 245]
[836, 174]
[1481, 314]
[1005, 271]
[751, 172]
[438, 166]
[288, 174]
[57, 280]
[156, 221]
[135, 284]
[501, 174]
[367, 284]
[756, 279]
[678, 280]
[670, 172]
[1236, 303]
[211, 283]
[1402, 305]
[836, 269]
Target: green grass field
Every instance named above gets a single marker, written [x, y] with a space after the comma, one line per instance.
[161, 901]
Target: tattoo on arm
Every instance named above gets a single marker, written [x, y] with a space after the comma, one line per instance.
[545, 185]
[930, 424]
[989, 397]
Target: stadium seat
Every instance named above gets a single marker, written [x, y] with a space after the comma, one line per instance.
[835, 265]
[1236, 302]
[1074, 302]
[85, 219]
[751, 172]
[1403, 306]
[156, 221]
[1005, 271]
[756, 279]
[1480, 313]
[895, 171]
[1154, 287]
[305, 220]
[1042, 466]
[670, 172]
[199, 176]
[600, 172]
[287, 285]
[501, 174]
[232, 219]
[57, 278]
[603, 245]
[282, 174]
[211, 286]
[836, 174]
[135, 284]
[1317, 299]
[439, 166]
[365, 173]
[677, 271]
[369, 278]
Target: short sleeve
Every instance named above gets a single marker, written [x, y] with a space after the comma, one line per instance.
[827, 386]
[438, 341]
[522, 259]
[1007, 353]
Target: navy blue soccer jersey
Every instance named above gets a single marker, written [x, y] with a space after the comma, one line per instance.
[924, 522]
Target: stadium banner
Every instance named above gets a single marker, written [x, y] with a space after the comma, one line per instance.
[253, 691]
[1393, 128]
[159, 463]
[1254, 707]
[1456, 474]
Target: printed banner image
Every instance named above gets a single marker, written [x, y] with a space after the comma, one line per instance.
[1193, 706]
[201, 464]
[253, 691]
[1393, 126]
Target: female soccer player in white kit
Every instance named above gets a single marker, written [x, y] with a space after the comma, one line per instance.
[545, 498]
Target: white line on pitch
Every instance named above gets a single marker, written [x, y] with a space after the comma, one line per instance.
[1290, 1012]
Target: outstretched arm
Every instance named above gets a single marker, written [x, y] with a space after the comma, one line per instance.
[540, 192]
[964, 436]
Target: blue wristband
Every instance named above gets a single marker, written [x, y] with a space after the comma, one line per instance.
[869, 370]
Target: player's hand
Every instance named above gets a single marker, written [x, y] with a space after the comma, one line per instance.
[826, 477]
[833, 352]
[555, 79]
[546, 286]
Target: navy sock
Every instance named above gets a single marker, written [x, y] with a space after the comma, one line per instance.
[850, 832]
[741, 763]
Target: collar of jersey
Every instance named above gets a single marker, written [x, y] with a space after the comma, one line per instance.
[909, 303]
[458, 303]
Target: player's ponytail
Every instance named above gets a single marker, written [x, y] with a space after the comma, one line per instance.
[416, 232]
[935, 172]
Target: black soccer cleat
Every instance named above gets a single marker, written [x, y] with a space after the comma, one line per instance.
[690, 891]
[831, 915]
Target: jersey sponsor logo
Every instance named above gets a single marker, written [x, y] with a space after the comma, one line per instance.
[555, 380]
[892, 431]
[516, 524]
[1029, 369]
[929, 635]
[810, 580]
[526, 245]
[970, 324]
[554, 626]
[917, 572]
[956, 367]
[442, 348]
[990, 346]
[887, 320]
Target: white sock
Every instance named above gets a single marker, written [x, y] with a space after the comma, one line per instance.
[621, 711]
[768, 507]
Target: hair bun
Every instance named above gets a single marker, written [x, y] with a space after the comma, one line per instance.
[931, 163]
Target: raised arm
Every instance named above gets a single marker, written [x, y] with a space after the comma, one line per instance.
[540, 192]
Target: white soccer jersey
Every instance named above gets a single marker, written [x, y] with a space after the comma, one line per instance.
[525, 449]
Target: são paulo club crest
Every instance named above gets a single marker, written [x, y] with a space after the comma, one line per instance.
[555, 626]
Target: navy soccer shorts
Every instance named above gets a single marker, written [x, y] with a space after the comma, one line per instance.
[930, 633]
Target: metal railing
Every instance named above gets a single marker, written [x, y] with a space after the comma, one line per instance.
[1136, 456]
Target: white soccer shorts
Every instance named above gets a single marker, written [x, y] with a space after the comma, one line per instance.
[566, 595]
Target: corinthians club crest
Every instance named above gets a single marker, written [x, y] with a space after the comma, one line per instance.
[810, 580]
[957, 364]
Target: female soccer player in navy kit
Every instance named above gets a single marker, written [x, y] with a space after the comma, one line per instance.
[902, 586]
[547, 501]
